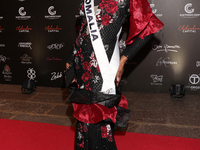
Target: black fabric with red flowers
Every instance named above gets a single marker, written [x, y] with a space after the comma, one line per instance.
[95, 136]
[110, 15]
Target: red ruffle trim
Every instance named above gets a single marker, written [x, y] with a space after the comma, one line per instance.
[94, 113]
[142, 21]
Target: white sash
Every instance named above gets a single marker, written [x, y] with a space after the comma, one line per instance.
[108, 70]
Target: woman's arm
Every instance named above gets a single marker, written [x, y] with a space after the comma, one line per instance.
[132, 49]
[120, 69]
[129, 52]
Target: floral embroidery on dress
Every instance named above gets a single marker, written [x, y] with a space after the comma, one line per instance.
[78, 56]
[110, 6]
[96, 79]
[106, 132]
[106, 12]
[81, 8]
[106, 20]
[79, 39]
[94, 62]
[80, 136]
[87, 75]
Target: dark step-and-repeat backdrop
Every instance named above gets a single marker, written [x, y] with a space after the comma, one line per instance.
[36, 37]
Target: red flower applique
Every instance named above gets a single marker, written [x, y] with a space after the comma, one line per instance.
[85, 77]
[79, 53]
[109, 137]
[103, 132]
[81, 145]
[106, 19]
[83, 128]
[94, 62]
[111, 6]
[87, 86]
[86, 66]
[106, 133]
[78, 41]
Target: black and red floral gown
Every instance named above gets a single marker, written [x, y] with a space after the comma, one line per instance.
[110, 15]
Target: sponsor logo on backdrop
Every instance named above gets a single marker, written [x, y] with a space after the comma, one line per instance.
[50, 28]
[198, 64]
[26, 59]
[23, 29]
[56, 46]
[189, 29]
[7, 73]
[3, 58]
[25, 45]
[194, 79]
[155, 11]
[157, 79]
[166, 48]
[188, 8]
[31, 73]
[1, 29]
[165, 62]
[190, 11]
[52, 13]
[22, 14]
[2, 45]
[194, 82]
[54, 59]
[1, 17]
[56, 75]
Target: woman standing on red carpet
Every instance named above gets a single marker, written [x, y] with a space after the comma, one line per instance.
[98, 104]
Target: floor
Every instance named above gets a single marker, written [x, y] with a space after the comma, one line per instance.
[151, 113]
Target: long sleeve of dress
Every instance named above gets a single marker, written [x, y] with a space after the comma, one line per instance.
[143, 24]
[132, 49]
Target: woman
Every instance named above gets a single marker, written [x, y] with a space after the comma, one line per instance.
[98, 68]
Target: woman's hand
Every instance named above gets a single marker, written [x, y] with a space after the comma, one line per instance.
[120, 69]
[67, 65]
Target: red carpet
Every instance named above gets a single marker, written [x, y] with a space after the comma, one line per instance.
[22, 135]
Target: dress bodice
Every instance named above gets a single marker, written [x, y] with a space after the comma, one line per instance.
[110, 15]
